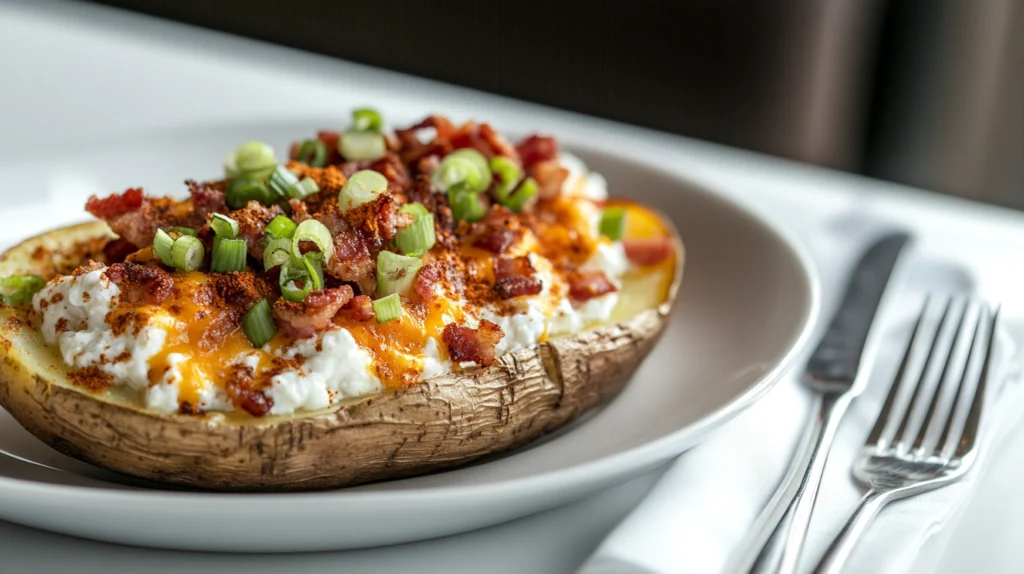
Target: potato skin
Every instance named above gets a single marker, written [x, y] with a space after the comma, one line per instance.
[443, 422]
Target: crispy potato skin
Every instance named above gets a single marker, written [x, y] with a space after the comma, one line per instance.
[443, 422]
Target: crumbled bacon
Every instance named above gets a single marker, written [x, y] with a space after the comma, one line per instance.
[497, 142]
[252, 220]
[115, 204]
[240, 290]
[514, 277]
[352, 261]
[472, 345]
[359, 308]
[252, 401]
[140, 284]
[307, 318]
[648, 251]
[425, 284]
[206, 199]
[550, 175]
[117, 250]
[535, 149]
[585, 285]
[498, 231]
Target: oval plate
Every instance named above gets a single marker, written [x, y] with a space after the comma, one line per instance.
[747, 304]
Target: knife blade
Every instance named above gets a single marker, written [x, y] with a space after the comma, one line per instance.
[835, 369]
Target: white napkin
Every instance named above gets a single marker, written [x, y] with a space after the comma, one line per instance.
[697, 517]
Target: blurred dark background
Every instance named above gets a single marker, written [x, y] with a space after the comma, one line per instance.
[924, 92]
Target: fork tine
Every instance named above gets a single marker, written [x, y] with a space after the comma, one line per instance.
[930, 424]
[875, 437]
[970, 432]
[904, 432]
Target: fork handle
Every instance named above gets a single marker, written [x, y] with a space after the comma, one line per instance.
[838, 552]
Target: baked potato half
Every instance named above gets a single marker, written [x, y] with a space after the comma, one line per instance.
[439, 423]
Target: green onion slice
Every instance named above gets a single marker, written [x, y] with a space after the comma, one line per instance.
[277, 252]
[312, 153]
[364, 186]
[366, 120]
[509, 174]
[228, 255]
[258, 324]
[254, 160]
[240, 191]
[613, 223]
[281, 181]
[187, 253]
[416, 239]
[224, 226]
[299, 277]
[184, 231]
[466, 205]
[162, 244]
[19, 289]
[464, 168]
[313, 262]
[396, 273]
[281, 226]
[362, 146]
[522, 195]
[313, 230]
[388, 308]
[303, 188]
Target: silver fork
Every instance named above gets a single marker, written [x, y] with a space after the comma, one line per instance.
[927, 440]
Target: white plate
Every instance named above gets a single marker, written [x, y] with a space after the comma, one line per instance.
[747, 302]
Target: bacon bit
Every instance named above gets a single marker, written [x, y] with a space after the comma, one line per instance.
[585, 285]
[550, 176]
[252, 220]
[498, 144]
[252, 401]
[359, 308]
[117, 250]
[140, 284]
[352, 261]
[500, 229]
[472, 345]
[515, 277]
[115, 204]
[425, 284]
[536, 149]
[206, 199]
[307, 318]
[91, 378]
[648, 251]
[330, 140]
[240, 290]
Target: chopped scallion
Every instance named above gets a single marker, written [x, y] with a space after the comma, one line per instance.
[466, 205]
[187, 253]
[396, 273]
[228, 255]
[509, 174]
[362, 146]
[303, 188]
[613, 223]
[162, 244]
[295, 280]
[281, 227]
[388, 308]
[313, 262]
[184, 230]
[19, 289]
[364, 186]
[254, 160]
[258, 324]
[463, 168]
[281, 181]
[224, 226]
[416, 239]
[313, 230]
[522, 195]
[366, 120]
[277, 252]
[240, 191]
[312, 153]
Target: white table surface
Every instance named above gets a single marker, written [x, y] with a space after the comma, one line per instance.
[71, 73]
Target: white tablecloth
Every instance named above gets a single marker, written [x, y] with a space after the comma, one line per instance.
[70, 72]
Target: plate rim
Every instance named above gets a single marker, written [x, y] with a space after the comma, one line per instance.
[598, 470]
